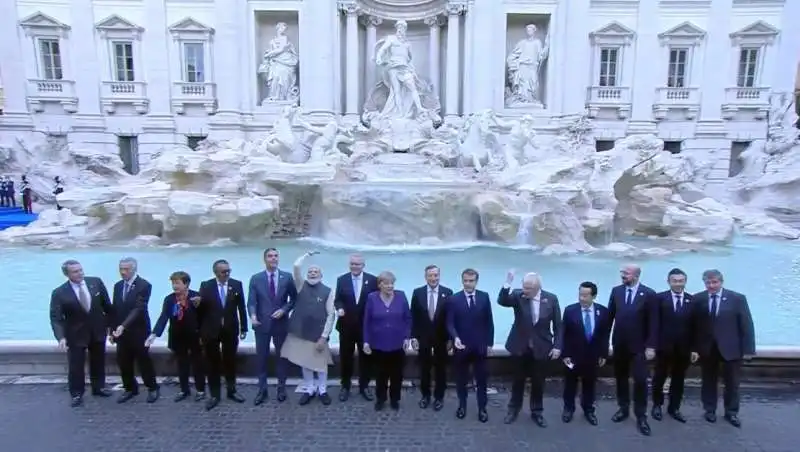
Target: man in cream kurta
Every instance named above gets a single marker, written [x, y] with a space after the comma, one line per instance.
[310, 327]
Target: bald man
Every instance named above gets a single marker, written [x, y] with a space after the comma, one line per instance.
[633, 308]
[537, 321]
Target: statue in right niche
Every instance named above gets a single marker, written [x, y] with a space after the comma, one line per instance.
[525, 70]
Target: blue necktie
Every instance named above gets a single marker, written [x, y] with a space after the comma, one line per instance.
[222, 295]
[629, 298]
[125, 288]
[587, 324]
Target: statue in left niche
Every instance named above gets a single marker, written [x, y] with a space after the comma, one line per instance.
[279, 68]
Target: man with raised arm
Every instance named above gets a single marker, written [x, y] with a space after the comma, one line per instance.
[309, 329]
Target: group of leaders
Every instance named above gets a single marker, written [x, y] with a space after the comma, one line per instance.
[297, 313]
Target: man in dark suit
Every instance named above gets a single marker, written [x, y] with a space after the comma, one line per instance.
[223, 322]
[471, 325]
[131, 296]
[724, 336]
[584, 338]
[634, 314]
[352, 289]
[537, 320]
[429, 336]
[674, 345]
[80, 316]
[270, 299]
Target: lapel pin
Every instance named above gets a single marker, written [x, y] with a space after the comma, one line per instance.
[596, 313]
[544, 300]
[723, 298]
[641, 293]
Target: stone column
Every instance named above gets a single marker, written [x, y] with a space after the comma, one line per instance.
[226, 59]
[351, 11]
[788, 52]
[479, 77]
[371, 22]
[319, 25]
[715, 60]
[576, 55]
[645, 79]
[14, 72]
[434, 44]
[453, 78]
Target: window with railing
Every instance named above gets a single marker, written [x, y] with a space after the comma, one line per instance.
[194, 62]
[50, 55]
[609, 66]
[677, 70]
[123, 61]
[748, 68]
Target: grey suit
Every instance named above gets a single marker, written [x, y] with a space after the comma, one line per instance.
[722, 339]
[531, 343]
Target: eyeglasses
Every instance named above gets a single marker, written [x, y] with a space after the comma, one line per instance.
[225, 272]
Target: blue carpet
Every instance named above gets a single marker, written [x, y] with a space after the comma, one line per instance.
[14, 216]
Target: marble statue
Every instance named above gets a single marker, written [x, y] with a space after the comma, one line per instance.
[525, 70]
[279, 68]
[329, 143]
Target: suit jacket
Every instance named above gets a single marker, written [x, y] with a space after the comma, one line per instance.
[345, 298]
[184, 333]
[429, 332]
[731, 330]
[70, 321]
[583, 351]
[524, 335]
[232, 317]
[675, 327]
[635, 326]
[131, 311]
[473, 325]
[262, 304]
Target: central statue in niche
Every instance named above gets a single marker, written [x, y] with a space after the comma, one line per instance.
[401, 102]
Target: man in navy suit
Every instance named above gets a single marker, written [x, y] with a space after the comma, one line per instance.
[584, 337]
[270, 299]
[674, 345]
[471, 325]
[725, 336]
[429, 336]
[352, 289]
[634, 314]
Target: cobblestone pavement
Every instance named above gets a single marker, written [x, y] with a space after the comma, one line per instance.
[37, 418]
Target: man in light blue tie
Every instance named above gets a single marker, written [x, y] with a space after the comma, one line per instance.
[584, 337]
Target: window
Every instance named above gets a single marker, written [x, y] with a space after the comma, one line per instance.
[673, 147]
[603, 145]
[192, 141]
[748, 68]
[735, 165]
[677, 71]
[50, 53]
[194, 62]
[123, 61]
[129, 153]
[609, 66]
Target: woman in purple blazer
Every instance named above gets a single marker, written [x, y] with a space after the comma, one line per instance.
[387, 330]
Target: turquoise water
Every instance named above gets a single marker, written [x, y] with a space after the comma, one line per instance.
[768, 272]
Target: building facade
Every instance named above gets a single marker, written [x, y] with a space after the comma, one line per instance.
[134, 76]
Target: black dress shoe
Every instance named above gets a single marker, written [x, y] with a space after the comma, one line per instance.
[379, 406]
[125, 396]
[710, 417]
[591, 418]
[305, 399]
[677, 415]
[325, 398]
[438, 404]
[181, 396]
[424, 402]
[235, 397]
[657, 413]
[281, 396]
[212, 403]
[733, 419]
[511, 416]
[643, 426]
[153, 395]
[394, 405]
[566, 416]
[483, 416]
[102, 393]
[261, 397]
[620, 415]
[538, 419]
[76, 401]
[461, 412]
[344, 394]
[366, 393]
[199, 396]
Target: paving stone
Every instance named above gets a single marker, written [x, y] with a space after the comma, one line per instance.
[37, 418]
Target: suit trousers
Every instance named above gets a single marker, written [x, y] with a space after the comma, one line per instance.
[433, 359]
[526, 366]
[276, 336]
[190, 361]
[389, 375]
[671, 363]
[464, 359]
[709, 374]
[130, 353]
[627, 364]
[349, 342]
[587, 375]
[76, 364]
[221, 361]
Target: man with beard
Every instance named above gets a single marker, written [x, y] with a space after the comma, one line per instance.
[352, 289]
[309, 329]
